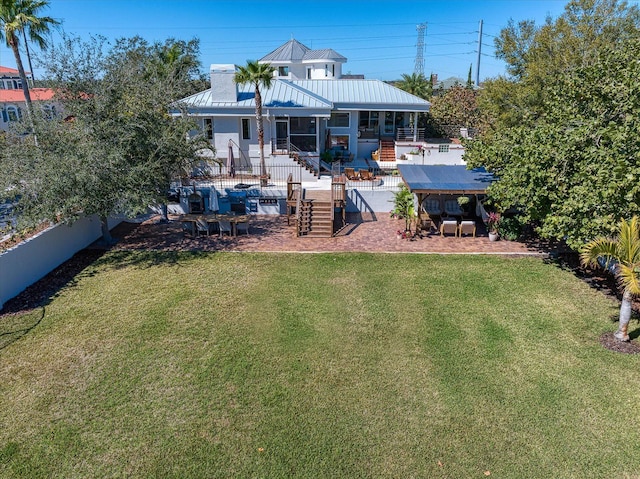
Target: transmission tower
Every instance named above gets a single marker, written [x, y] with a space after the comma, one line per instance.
[419, 67]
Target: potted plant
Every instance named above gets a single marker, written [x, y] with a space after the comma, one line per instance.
[493, 221]
[404, 208]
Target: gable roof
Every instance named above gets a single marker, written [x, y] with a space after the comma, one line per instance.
[295, 52]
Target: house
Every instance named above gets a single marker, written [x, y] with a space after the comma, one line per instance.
[308, 109]
[12, 102]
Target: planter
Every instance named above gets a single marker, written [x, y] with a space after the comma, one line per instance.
[494, 236]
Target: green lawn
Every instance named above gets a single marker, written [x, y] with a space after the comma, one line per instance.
[334, 365]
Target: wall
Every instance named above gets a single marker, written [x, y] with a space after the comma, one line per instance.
[26, 263]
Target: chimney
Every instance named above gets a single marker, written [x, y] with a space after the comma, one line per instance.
[464, 132]
[434, 79]
[223, 88]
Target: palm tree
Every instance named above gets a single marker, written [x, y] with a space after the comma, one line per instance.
[416, 84]
[259, 75]
[623, 255]
[18, 16]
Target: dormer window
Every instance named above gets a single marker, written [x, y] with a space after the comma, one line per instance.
[283, 71]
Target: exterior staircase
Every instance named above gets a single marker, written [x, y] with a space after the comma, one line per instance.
[315, 218]
[387, 150]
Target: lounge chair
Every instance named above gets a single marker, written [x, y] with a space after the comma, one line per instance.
[449, 226]
[467, 227]
[452, 207]
[366, 175]
[350, 173]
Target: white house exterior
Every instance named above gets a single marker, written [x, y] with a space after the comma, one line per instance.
[302, 115]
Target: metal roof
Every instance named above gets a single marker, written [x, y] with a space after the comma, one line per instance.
[362, 94]
[295, 52]
[445, 179]
[318, 94]
[280, 95]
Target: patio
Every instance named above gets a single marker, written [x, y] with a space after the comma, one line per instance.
[271, 234]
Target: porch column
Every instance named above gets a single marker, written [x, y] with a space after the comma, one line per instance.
[415, 125]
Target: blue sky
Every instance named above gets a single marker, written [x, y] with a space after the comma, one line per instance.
[378, 37]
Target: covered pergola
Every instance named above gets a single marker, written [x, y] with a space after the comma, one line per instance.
[425, 180]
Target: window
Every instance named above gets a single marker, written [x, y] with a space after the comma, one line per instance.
[246, 128]
[443, 149]
[302, 133]
[369, 119]
[339, 120]
[326, 70]
[340, 140]
[13, 113]
[333, 70]
[308, 73]
[49, 112]
[283, 71]
[208, 128]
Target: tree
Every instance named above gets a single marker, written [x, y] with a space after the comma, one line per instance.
[622, 254]
[21, 16]
[416, 84]
[454, 109]
[118, 149]
[562, 134]
[259, 75]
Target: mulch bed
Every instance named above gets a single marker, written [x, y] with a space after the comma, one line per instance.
[611, 343]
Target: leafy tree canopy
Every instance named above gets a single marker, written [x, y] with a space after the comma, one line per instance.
[454, 109]
[118, 148]
[574, 167]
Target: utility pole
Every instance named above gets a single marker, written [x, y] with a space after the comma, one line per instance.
[479, 54]
[419, 66]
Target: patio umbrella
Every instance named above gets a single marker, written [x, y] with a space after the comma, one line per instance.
[213, 199]
[231, 165]
[327, 142]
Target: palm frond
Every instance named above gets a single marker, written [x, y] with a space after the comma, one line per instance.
[599, 248]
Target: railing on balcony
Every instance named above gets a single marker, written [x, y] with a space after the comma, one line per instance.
[410, 134]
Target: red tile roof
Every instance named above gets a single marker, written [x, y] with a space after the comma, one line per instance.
[37, 94]
[10, 70]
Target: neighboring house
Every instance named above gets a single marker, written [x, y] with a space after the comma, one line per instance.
[12, 103]
[307, 109]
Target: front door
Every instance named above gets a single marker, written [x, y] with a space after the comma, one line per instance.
[282, 135]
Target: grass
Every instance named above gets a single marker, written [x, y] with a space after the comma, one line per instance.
[334, 365]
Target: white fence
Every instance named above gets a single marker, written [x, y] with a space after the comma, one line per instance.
[31, 260]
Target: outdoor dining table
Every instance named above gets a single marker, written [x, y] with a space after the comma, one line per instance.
[212, 218]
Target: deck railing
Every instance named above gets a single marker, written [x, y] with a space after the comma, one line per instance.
[410, 134]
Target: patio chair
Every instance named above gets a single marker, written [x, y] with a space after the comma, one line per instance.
[203, 227]
[467, 227]
[432, 206]
[449, 226]
[452, 207]
[225, 227]
[242, 226]
[350, 173]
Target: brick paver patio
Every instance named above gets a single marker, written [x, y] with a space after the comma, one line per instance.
[272, 234]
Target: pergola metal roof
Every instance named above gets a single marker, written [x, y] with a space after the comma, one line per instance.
[445, 179]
